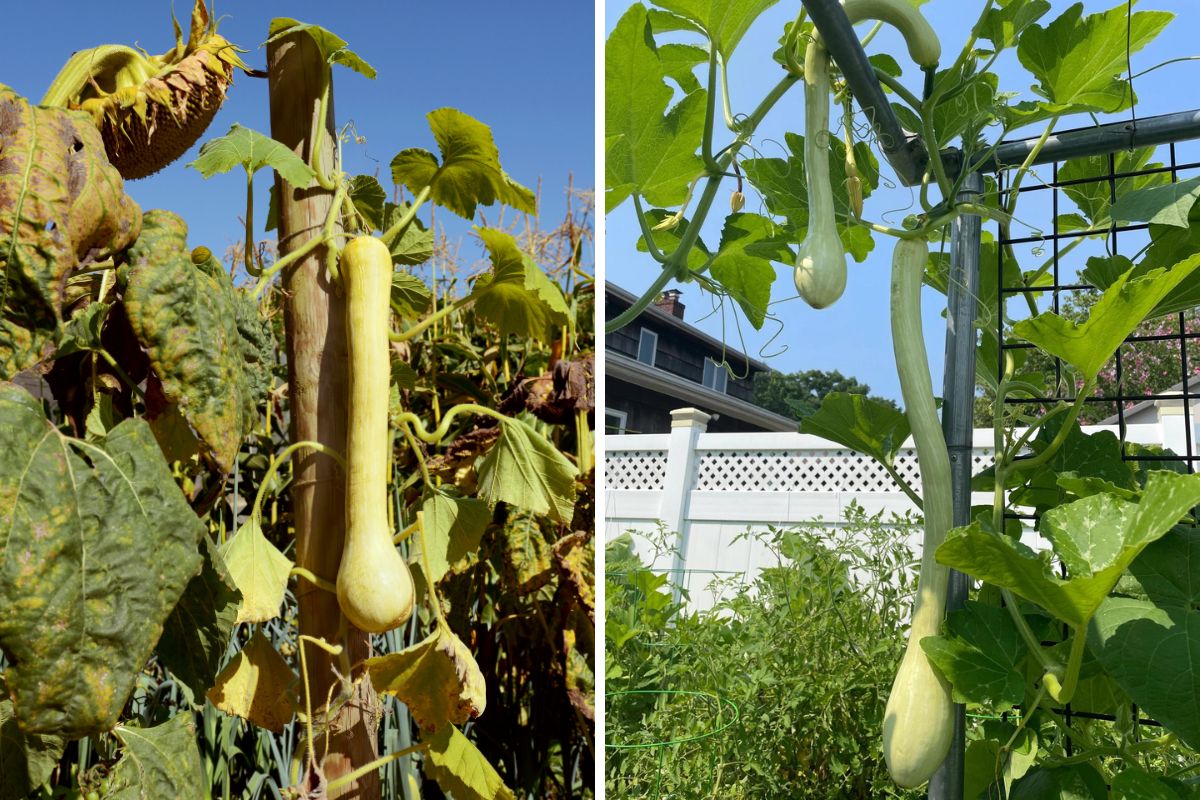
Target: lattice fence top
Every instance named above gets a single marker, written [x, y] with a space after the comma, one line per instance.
[637, 470]
[772, 470]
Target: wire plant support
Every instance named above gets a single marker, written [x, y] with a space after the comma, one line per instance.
[908, 155]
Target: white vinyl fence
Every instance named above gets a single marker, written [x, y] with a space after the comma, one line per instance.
[711, 487]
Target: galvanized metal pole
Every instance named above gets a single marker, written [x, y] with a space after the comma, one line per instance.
[958, 392]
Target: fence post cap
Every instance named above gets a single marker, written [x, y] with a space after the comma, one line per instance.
[689, 418]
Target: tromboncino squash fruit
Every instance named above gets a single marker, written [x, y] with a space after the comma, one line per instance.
[918, 722]
[820, 271]
[374, 586]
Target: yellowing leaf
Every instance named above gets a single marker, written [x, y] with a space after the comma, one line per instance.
[525, 470]
[257, 685]
[437, 679]
[259, 571]
[460, 769]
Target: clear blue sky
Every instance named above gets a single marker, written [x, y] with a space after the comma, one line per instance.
[524, 68]
[853, 335]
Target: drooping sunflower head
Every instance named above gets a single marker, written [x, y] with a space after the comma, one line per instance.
[150, 109]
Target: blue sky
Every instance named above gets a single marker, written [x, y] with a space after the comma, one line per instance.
[853, 335]
[524, 68]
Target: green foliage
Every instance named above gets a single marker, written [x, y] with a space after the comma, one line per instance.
[252, 151]
[799, 394]
[805, 651]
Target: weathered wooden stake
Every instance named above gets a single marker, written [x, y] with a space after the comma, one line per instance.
[316, 350]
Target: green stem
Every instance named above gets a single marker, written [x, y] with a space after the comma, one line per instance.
[1026, 464]
[432, 319]
[903, 484]
[710, 112]
[256, 509]
[647, 232]
[320, 583]
[251, 269]
[439, 433]
[1074, 662]
[124, 376]
[350, 777]
[317, 138]
[726, 103]
[397, 230]
[425, 565]
[900, 89]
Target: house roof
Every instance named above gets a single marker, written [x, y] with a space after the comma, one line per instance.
[660, 316]
[1193, 392]
[622, 367]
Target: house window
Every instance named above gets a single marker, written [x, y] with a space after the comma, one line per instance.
[615, 421]
[647, 346]
[715, 375]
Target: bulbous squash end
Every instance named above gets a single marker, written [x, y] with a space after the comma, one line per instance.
[376, 593]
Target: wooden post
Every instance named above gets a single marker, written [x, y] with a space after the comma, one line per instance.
[317, 366]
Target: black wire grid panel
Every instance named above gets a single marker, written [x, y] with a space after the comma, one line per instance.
[1051, 197]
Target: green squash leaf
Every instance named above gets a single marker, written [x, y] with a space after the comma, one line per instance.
[27, 760]
[460, 769]
[649, 151]
[862, 423]
[1003, 25]
[1134, 783]
[1076, 782]
[724, 21]
[525, 470]
[253, 151]
[98, 544]
[415, 245]
[1169, 204]
[333, 47]
[158, 762]
[1097, 538]
[679, 62]
[1076, 59]
[749, 243]
[1168, 570]
[1151, 651]
[196, 635]
[62, 206]
[369, 200]
[469, 174]
[981, 655]
[410, 293]
[1125, 303]
[517, 297]
[452, 530]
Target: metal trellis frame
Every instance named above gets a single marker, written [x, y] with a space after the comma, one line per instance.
[908, 156]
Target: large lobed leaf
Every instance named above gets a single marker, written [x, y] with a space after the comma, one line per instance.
[437, 679]
[1125, 303]
[94, 554]
[469, 173]
[1077, 59]
[517, 297]
[648, 150]
[459, 768]
[1097, 539]
[724, 21]
[62, 205]
[527, 471]
[862, 423]
[206, 345]
[158, 762]
[253, 151]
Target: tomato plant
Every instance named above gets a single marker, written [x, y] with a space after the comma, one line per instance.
[1068, 630]
[183, 454]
